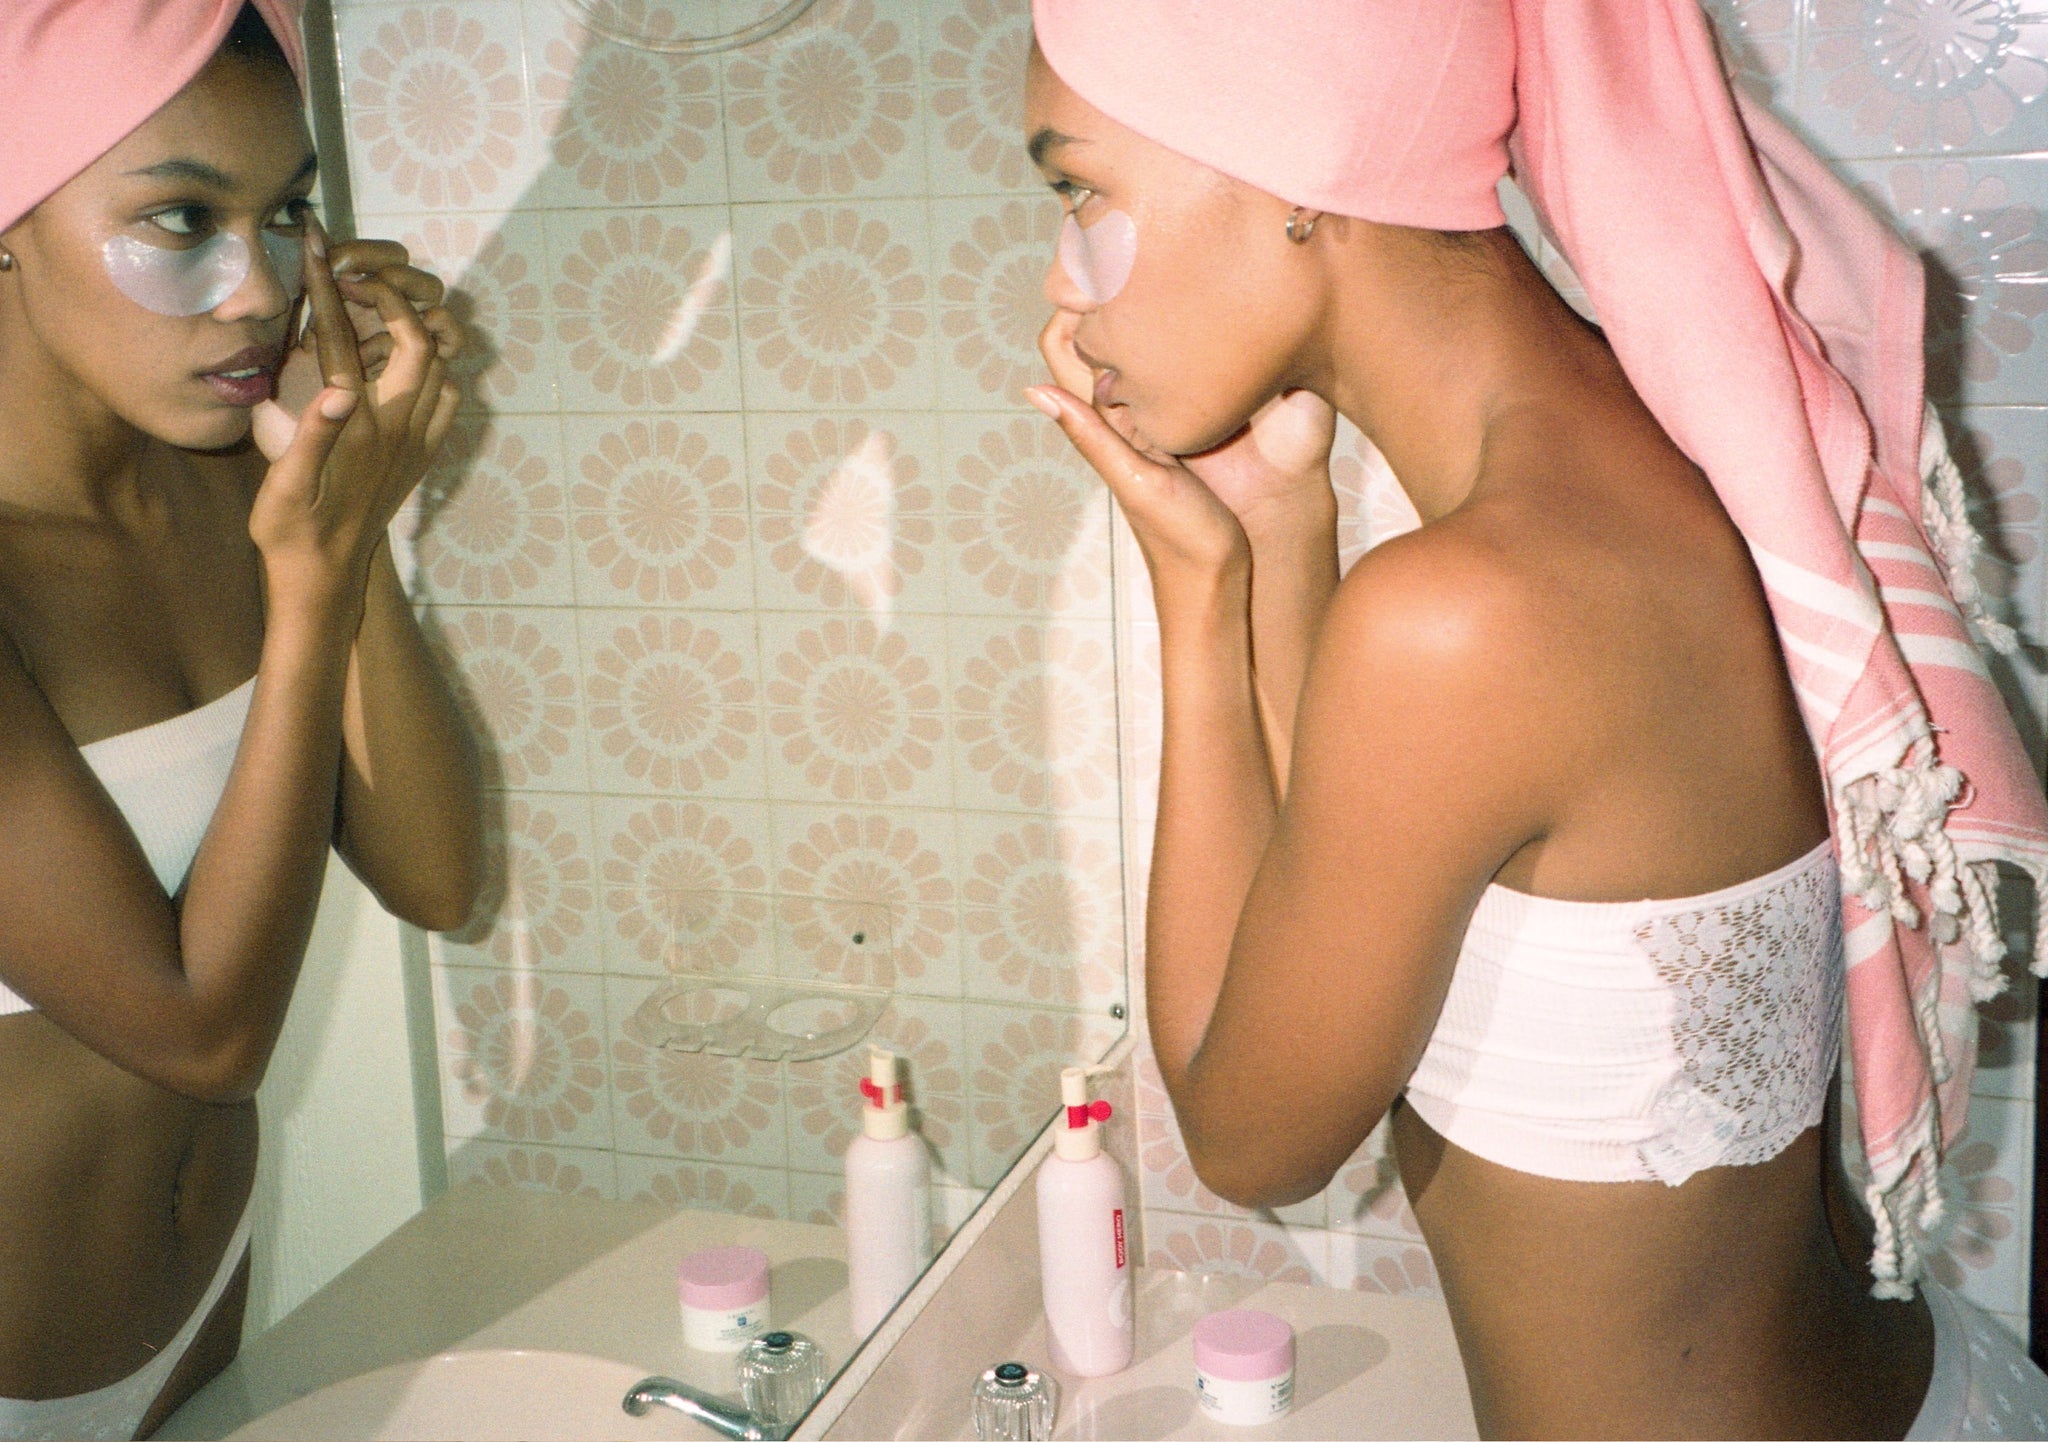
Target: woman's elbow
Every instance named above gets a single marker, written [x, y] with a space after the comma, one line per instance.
[1246, 1178]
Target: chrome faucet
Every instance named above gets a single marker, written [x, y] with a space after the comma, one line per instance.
[727, 1419]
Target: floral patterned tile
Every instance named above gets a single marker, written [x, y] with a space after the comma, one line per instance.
[643, 309]
[1034, 716]
[495, 267]
[1014, 1058]
[670, 878]
[990, 258]
[2003, 454]
[702, 1187]
[563, 1171]
[437, 106]
[658, 511]
[536, 913]
[1041, 910]
[867, 898]
[1368, 1263]
[515, 671]
[846, 514]
[490, 525]
[623, 125]
[854, 711]
[682, 886]
[834, 305]
[1371, 506]
[672, 703]
[828, 108]
[690, 1104]
[522, 1056]
[1982, 222]
[1925, 78]
[1238, 1249]
[973, 96]
[825, 1099]
[1027, 520]
[1988, 1176]
[818, 1198]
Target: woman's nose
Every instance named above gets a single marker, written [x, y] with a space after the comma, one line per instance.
[265, 293]
[1062, 289]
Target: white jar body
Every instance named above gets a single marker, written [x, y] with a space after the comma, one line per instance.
[888, 1224]
[1084, 1265]
[1244, 1404]
[712, 1329]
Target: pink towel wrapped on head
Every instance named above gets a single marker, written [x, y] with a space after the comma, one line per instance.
[1774, 327]
[78, 76]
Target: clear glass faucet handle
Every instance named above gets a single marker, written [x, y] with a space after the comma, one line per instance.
[781, 1374]
[1012, 1403]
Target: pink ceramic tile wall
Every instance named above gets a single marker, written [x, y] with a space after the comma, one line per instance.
[786, 624]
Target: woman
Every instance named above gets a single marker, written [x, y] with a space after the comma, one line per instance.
[1406, 823]
[208, 670]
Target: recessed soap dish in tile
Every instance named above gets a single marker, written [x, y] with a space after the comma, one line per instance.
[755, 1018]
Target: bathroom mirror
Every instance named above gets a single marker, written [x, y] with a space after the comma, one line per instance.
[788, 630]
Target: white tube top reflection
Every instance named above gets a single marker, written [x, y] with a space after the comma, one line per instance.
[166, 780]
[1646, 1040]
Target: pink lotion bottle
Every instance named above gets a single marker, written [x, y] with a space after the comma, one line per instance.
[1083, 1251]
[888, 1198]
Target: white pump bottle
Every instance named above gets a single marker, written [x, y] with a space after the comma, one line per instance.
[888, 1198]
[1083, 1251]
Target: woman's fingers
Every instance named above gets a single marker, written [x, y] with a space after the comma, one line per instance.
[1124, 471]
[439, 424]
[340, 361]
[366, 257]
[300, 465]
[446, 330]
[1056, 344]
[411, 345]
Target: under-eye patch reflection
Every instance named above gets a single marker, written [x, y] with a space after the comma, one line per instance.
[199, 279]
[1099, 257]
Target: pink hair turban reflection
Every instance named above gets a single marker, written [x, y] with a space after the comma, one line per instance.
[78, 76]
[1775, 329]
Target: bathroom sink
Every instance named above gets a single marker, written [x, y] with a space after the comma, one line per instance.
[530, 1396]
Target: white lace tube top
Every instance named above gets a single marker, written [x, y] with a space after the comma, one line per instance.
[1632, 1041]
[166, 781]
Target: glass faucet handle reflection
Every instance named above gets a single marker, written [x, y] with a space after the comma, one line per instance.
[1012, 1403]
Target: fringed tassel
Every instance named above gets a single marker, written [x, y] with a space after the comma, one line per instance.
[1910, 1210]
[1944, 512]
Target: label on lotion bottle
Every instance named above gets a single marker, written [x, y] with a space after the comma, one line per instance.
[1083, 1253]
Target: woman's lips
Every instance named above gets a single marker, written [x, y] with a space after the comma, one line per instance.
[1105, 387]
[247, 378]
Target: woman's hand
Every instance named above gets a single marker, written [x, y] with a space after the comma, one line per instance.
[353, 262]
[357, 450]
[1186, 531]
[1275, 473]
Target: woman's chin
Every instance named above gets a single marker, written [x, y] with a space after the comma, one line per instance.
[218, 431]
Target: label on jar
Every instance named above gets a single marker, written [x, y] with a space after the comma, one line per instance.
[1245, 1404]
[714, 1331]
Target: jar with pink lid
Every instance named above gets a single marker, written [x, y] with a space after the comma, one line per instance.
[724, 1296]
[1244, 1366]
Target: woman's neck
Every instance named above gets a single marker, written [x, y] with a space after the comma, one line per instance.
[1426, 352]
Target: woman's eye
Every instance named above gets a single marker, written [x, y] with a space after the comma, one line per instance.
[184, 221]
[292, 216]
[1071, 195]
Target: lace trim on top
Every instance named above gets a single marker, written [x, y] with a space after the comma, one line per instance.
[1756, 991]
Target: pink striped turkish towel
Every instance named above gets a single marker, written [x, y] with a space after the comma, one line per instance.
[1774, 327]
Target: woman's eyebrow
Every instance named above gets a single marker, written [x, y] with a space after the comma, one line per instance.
[200, 173]
[1048, 139]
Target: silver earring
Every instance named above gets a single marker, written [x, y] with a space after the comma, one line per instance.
[1299, 231]
[6, 261]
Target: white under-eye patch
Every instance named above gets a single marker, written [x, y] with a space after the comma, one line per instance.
[1099, 257]
[199, 279]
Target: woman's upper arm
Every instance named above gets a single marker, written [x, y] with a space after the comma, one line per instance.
[1419, 769]
[86, 932]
